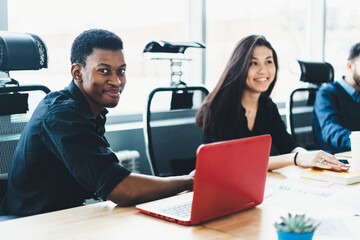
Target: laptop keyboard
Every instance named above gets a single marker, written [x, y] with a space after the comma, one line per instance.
[182, 210]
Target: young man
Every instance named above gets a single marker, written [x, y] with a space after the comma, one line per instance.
[62, 157]
[337, 108]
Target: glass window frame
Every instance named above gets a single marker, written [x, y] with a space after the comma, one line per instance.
[196, 28]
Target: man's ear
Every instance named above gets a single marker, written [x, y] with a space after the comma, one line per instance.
[349, 65]
[76, 72]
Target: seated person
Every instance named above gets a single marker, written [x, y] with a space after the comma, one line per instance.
[240, 106]
[63, 157]
[337, 108]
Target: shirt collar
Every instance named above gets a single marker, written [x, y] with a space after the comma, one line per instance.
[78, 96]
[349, 89]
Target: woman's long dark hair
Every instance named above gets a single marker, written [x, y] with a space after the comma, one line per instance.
[220, 114]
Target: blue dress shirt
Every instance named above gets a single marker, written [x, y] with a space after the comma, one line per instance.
[349, 89]
[336, 114]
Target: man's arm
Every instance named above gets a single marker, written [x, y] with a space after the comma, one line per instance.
[328, 113]
[139, 188]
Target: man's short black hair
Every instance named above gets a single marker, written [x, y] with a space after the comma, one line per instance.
[85, 43]
[354, 51]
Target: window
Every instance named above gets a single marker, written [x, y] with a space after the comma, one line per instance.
[342, 31]
[282, 22]
[137, 22]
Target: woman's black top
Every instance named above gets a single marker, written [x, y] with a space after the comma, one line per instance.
[267, 121]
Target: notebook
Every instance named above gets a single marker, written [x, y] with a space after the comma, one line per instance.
[331, 176]
[230, 176]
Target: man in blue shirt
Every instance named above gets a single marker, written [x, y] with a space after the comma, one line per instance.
[63, 157]
[337, 108]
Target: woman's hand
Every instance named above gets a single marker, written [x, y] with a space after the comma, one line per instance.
[319, 159]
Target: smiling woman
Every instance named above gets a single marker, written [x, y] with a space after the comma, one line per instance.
[262, 70]
[240, 106]
[241, 93]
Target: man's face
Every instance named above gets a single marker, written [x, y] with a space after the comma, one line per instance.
[355, 68]
[102, 79]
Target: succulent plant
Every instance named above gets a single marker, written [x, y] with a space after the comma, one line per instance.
[296, 224]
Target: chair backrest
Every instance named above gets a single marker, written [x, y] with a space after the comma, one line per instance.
[13, 122]
[171, 135]
[316, 72]
[22, 51]
[18, 51]
[301, 101]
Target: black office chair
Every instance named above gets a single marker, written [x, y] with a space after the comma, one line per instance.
[170, 132]
[18, 51]
[302, 100]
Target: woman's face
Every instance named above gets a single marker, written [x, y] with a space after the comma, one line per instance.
[261, 72]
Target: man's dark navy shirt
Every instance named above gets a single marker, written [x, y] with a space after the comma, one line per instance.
[336, 115]
[62, 157]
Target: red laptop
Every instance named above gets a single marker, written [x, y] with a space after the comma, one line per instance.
[230, 176]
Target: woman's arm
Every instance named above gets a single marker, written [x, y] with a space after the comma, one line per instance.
[305, 158]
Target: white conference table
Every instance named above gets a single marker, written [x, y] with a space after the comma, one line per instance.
[285, 192]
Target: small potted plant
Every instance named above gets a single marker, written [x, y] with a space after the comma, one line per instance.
[296, 227]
